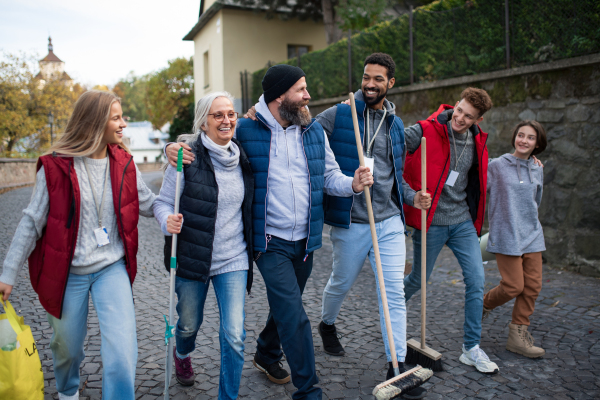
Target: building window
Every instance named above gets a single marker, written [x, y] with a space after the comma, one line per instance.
[206, 71]
[296, 50]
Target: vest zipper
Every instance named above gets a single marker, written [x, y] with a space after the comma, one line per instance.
[62, 302]
[121, 217]
[399, 187]
[267, 193]
[287, 154]
[309, 194]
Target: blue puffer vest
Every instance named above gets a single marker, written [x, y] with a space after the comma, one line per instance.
[338, 210]
[255, 138]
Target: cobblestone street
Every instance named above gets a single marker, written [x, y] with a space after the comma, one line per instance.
[565, 323]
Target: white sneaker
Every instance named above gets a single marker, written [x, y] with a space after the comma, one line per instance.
[477, 358]
[65, 397]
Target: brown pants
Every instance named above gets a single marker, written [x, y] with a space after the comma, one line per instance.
[521, 278]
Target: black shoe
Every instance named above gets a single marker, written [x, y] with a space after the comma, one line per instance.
[275, 371]
[416, 393]
[331, 343]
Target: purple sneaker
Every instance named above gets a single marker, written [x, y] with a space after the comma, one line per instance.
[183, 370]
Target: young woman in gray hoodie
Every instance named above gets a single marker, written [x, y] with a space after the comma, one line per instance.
[515, 185]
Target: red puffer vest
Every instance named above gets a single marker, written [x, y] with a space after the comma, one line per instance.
[435, 131]
[50, 261]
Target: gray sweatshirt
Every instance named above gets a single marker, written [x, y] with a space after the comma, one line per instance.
[452, 207]
[288, 198]
[229, 246]
[515, 192]
[383, 196]
[88, 257]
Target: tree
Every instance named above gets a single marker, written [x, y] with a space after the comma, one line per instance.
[182, 123]
[357, 15]
[25, 104]
[170, 90]
[132, 91]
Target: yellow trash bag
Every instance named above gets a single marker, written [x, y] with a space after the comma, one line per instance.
[21, 376]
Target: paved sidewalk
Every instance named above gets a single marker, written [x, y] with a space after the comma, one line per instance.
[565, 323]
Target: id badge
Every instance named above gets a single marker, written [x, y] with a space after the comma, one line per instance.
[370, 162]
[101, 236]
[452, 177]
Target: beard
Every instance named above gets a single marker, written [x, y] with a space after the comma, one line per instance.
[377, 99]
[295, 113]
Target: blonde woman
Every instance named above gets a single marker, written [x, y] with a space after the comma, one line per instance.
[80, 234]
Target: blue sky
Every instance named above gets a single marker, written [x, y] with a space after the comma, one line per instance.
[100, 41]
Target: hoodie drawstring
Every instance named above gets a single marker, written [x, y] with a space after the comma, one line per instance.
[519, 171]
[297, 142]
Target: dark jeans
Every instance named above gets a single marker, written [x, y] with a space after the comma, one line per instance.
[285, 274]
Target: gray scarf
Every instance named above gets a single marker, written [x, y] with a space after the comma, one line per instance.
[225, 157]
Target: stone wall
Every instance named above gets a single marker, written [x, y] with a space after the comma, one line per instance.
[565, 97]
[16, 173]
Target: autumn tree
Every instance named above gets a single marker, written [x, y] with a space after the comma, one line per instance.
[25, 104]
[169, 91]
[132, 91]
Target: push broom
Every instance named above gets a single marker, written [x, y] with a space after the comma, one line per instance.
[170, 328]
[405, 382]
[419, 353]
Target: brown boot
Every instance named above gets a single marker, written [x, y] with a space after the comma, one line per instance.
[521, 342]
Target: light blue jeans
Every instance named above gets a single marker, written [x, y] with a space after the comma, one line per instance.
[113, 302]
[462, 240]
[230, 290]
[350, 248]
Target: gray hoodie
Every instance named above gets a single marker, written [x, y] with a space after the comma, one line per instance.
[288, 198]
[515, 192]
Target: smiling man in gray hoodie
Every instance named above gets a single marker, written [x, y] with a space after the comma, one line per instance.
[293, 168]
[382, 133]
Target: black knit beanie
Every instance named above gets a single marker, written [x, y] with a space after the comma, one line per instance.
[278, 79]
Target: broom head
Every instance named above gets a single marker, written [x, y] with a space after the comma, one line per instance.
[402, 384]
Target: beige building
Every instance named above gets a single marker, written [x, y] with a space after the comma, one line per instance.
[52, 67]
[230, 39]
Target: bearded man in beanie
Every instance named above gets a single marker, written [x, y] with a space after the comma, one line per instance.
[293, 168]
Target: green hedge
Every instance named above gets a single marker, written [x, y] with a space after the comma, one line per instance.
[455, 38]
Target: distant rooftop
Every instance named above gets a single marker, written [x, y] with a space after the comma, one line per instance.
[143, 136]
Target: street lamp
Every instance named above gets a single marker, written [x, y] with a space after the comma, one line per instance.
[51, 122]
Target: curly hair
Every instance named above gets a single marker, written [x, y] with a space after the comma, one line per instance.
[540, 142]
[384, 60]
[478, 98]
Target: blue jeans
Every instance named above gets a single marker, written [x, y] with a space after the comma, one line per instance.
[230, 290]
[462, 240]
[113, 301]
[350, 248]
[285, 274]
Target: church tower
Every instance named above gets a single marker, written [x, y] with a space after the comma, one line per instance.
[52, 67]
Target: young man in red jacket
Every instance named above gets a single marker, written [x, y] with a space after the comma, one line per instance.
[457, 160]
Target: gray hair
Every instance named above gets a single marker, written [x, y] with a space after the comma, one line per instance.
[202, 110]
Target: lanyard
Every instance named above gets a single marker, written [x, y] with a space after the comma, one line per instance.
[463, 150]
[370, 142]
[99, 209]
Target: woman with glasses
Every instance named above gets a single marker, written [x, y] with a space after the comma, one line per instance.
[214, 242]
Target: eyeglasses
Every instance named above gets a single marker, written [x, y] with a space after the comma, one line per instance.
[219, 116]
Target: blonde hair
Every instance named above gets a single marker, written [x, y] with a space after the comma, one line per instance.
[85, 129]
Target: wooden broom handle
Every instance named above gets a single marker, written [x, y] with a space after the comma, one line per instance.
[386, 310]
[423, 244]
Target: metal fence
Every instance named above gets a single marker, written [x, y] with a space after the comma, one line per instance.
[453, 38]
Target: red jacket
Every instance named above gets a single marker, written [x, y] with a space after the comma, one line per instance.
[435, 131]
[50, 261]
